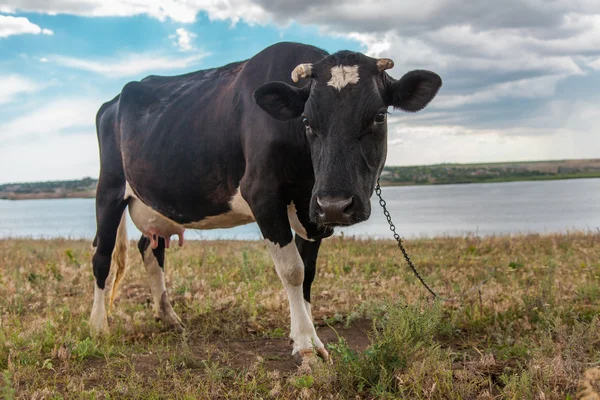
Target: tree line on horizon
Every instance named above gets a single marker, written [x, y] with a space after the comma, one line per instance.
[394, 175]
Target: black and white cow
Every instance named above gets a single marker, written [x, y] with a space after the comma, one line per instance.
[247, 142]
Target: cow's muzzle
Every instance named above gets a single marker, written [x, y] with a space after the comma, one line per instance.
[337, 210]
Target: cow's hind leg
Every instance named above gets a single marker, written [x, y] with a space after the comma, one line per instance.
[154, 261]
[110, 207]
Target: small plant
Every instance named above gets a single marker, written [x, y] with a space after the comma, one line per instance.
[402, 336]
[85, 349]
[303, 382]
[7, 391]
[515, 265]
[71, 257]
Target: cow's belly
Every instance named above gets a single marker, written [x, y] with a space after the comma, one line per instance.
[240, 214]
[151, 223]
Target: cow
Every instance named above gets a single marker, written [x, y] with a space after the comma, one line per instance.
[293, 138]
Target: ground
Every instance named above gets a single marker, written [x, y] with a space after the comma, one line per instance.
[531, 330]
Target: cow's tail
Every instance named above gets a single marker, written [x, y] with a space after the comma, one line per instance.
[119, 258]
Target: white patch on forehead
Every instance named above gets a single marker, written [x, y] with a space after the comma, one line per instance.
[343, 75]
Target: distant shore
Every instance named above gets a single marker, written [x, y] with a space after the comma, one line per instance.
[90, 194]
[440, 174]
[499, 180]
[85, 194]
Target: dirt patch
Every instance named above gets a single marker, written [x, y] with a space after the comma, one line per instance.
[238, 354]
[276, 353]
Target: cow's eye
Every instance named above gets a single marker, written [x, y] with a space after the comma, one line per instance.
[380, 117]
[305, 122]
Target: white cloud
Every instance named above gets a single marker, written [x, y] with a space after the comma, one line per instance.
[54, 141]
[12, 86]
[10, 25]
[184, 11]
[129, 65]
[50, 157]
[423, 145]
[594, 63]
[183, 39]
[53, 118]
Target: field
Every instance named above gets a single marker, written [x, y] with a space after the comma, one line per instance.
[531, 331]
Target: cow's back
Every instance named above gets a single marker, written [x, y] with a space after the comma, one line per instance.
[183, 138]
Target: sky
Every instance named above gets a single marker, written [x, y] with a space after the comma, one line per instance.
[521, 78]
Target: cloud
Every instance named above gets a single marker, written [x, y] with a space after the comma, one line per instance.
[129, 65]
[10, 25]
[50, 157]
[56, 140]
[184, 11]
[538, 87]
[12, 86]
[504, 64]
[54, 118]
[594, 63]
[183, 39]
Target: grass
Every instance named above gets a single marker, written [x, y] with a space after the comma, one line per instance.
[532, 331]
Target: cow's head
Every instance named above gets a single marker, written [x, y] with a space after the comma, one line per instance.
[342, 107]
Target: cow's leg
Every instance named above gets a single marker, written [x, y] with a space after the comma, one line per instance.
[309, 250]
[110, 206]
[290, 269]
[154, 261]
[272, 218]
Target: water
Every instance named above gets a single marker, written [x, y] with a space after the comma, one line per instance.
[417, 211]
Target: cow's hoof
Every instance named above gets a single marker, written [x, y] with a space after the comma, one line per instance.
[172, 324]
[310, 356]
[168, 316]
[98, 326]
[178, 327]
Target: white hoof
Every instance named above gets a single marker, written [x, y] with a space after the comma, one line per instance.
[98, 318]
[98, 323]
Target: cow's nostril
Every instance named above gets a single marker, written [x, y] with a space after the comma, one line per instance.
[320, 208]
[319, 202]
[348, 207]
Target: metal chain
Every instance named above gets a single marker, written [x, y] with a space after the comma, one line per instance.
[382, 203]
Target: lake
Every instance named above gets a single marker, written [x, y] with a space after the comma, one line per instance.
[417, 211]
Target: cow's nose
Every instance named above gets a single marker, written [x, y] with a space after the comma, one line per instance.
[335, 210]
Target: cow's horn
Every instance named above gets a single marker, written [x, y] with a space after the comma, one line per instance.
[384, 63]
[301, 71]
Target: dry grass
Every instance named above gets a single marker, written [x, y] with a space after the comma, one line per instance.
[531, 332]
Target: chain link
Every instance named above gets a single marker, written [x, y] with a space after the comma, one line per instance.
[383, 204]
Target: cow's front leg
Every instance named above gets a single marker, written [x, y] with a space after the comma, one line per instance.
[309, 250]
[290, 269]
[271, 214]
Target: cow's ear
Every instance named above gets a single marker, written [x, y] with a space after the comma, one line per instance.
[280, 100]
[414, 90]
